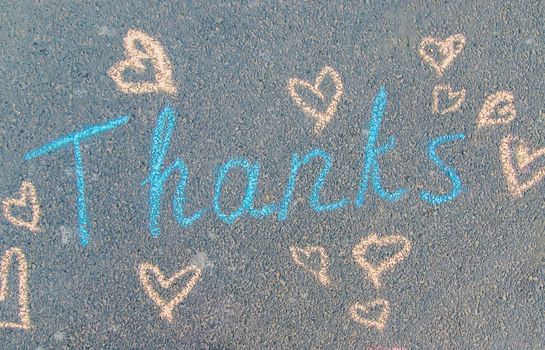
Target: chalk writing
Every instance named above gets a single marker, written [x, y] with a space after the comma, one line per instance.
[167, 307]
[321, 274]
[516, 157]
[501, 103]
[75, 139]
[247, 205]
[371, 169]
[168, 292]
[322, 117]
[314, 199]
[160, 143]
[374, 272]
[455, 98]
[450, 172]
[448, 50]
[154, 52]
[379, 322]
[370, 174]
[22, 269]
[27, 198]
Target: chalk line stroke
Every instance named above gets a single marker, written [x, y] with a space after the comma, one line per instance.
[455, 99]
[374, 272]
[75, 139]
[5, 264]
[448, 50]
[378, 323]
[154, 52]
[322, 117]
[500, 103]
[167, 307]
[516, 157]
[27, 198]
[321, 274]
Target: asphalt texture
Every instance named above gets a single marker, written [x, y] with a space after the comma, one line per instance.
[475, 277]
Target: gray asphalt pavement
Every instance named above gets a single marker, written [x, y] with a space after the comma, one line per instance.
[475, 274]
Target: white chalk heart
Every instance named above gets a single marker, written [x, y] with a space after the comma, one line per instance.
[374, 272]
[448, 50]
[152, 51]
[321, 274]
[165, 306]
[498, 109]
[27, 198]
[516, 157]
[380, 322]
[455, 99]
[321, 117]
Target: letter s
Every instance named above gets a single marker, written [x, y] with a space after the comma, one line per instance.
[448, 171]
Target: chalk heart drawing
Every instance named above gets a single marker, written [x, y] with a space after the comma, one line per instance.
[498, 109]
[5, 264]
[299, 255]
[380, 322]
[516, 157]
[27, 198]
[153, 51]
[455, 99]
[374, 272]
[322, 117]
[448, 50]
[165, 306]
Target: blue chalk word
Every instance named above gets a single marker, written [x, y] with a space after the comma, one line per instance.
[160, 143]
[159, 174]
[247, 204]
[370, 175]
[448, 171]
[371, 169]
[75, 139]
[314, 200]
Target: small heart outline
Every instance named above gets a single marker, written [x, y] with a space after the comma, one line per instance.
[459, 95]
[152, 51]
[374, 272]
[167, 307]
[322, 118]
[507, 113]
[321, 275]
[380, 322]
[26, 191]
[449, 48]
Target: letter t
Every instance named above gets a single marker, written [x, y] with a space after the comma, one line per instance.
[75, 139]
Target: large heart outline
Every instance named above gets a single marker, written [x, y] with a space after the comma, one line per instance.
[27, 192]
[22, 269]
[324, 117]
[458, 97]
[374, 272]
[167, 307]
[152, 51]
[448, 48]
[524, 158]
[322, 274]
[380, 322]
